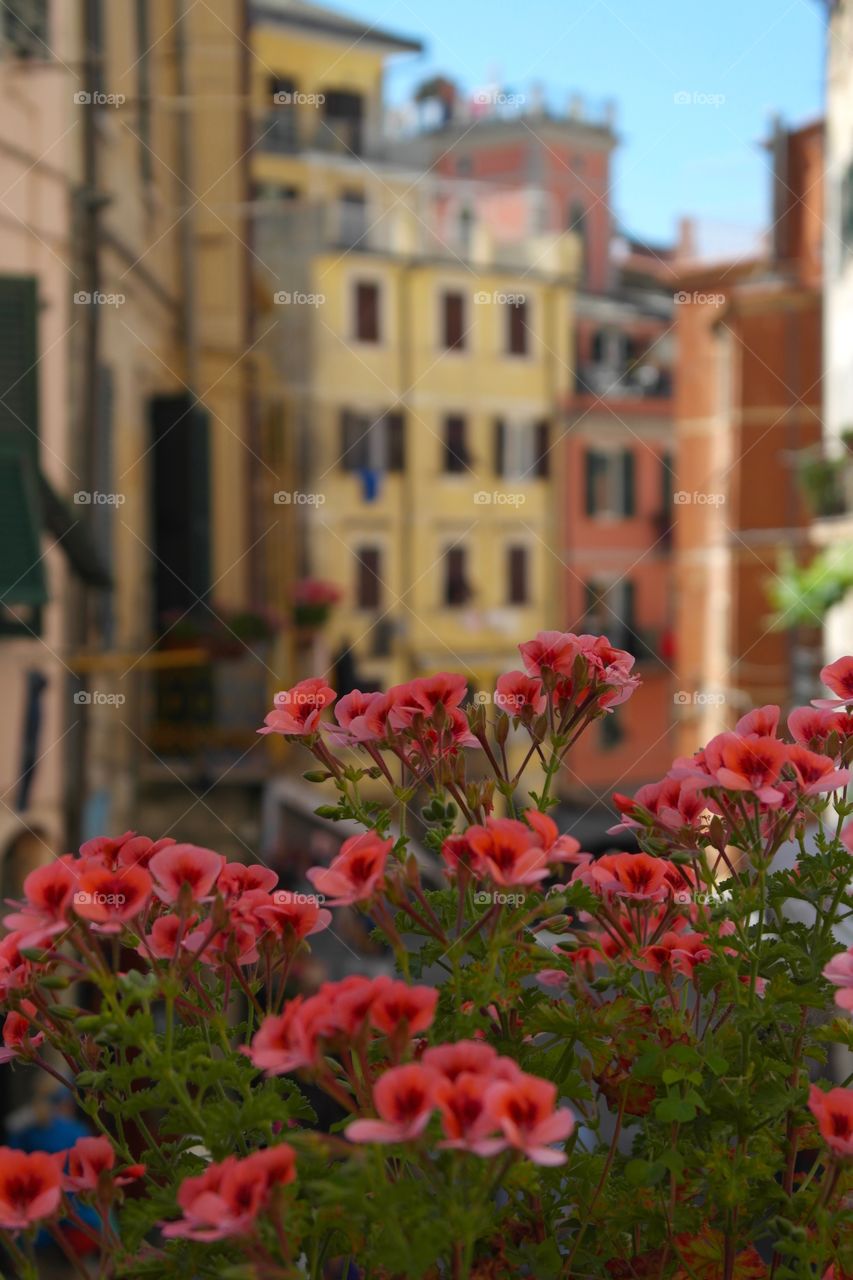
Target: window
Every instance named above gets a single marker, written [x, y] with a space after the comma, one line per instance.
[610, 611]
[609, 483]
[372, 443]
[279, 129]
[456, 589]
[453, 321]
[456, 456]
[342, 122]
[367, 311]
[516, 334]
[522, 450]
[517, 575]
[368, 581]
[180, 453]
[25, 27]
[577, 224]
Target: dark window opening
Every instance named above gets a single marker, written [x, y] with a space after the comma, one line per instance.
[353, 217]
[541, 450]
[609, 483]
[368, 586]
[25, 27]
[342, 122]
[453, 321]
[375, 444]
[517, 575]
[457, 590]
[181, 505]
[517, 329]
[280, 131]
[456, 456]
[367, 312]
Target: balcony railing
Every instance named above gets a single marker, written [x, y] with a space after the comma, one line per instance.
[206, 711]
[283, 132]
[609, 382]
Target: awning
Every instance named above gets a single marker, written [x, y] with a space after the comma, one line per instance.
[30, 506]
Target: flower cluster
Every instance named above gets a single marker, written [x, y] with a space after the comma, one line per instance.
[611, 1066]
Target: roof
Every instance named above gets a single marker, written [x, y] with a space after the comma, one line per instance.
[315, 17]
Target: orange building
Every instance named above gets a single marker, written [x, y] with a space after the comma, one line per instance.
[748, 401]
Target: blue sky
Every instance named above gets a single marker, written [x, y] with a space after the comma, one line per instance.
[760, 56]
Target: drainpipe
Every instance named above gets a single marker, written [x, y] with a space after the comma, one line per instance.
[89, 202]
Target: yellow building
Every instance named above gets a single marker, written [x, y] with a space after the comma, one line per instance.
[425, 353]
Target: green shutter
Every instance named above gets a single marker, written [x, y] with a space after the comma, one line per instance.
[19, 362]
[22, 580]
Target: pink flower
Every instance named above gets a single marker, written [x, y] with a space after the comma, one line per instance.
[185, 864]
[356, 721]
[29, 1188]
[508, 852]
[17, 1040]
[558, 848]
[517, 693]
[164, 940]
[404, 1098]
[291, 916]
[236, 878]
[401, 1009]
[110, 898]
[286, 1041]
[752, 764]
[834, 1114]
[839, 971]
[761, 720]
[815, 773]
[627, 875]
[423, 695]
[298, 710]
[86, 1160]
[466, 1118]
[226, 1199]
[356, 873]
[523, 1110]
[471, 1057]
[48, 891]
[838, 677]
[550, 651]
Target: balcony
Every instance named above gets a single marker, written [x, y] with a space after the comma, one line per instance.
[614, 382]
[282, 132]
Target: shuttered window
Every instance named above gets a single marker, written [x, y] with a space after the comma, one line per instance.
[376, 444]
[457, 590]
[609, 483]
[453, 321]
[516, 322]
[456, 457]
[517, 575]
[367, 312]
[181, 504]
[368, 585]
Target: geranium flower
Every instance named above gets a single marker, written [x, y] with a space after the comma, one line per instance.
[550, 651]
[837, 676]
[508, 852]
[226, 1199]
[355, 723]
[523, 1110]
[752, 764]
[298, 710]
[48, 892]
[185, 864]
[83, 1164]
[164, 940]
[110, 898]
[399, 1007]
[466, 1119]
[423, 695]
[237, 878]
[517, 693]
[815, 773]
[559, 848]
[356, 873]
[472, 1057]
[834, 1114]
[288, 1041]
[628, 875]
[404, 1098]
[763, 721]
[839, 971]
[17, 1040]
[291, 916]
[29, 1188]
